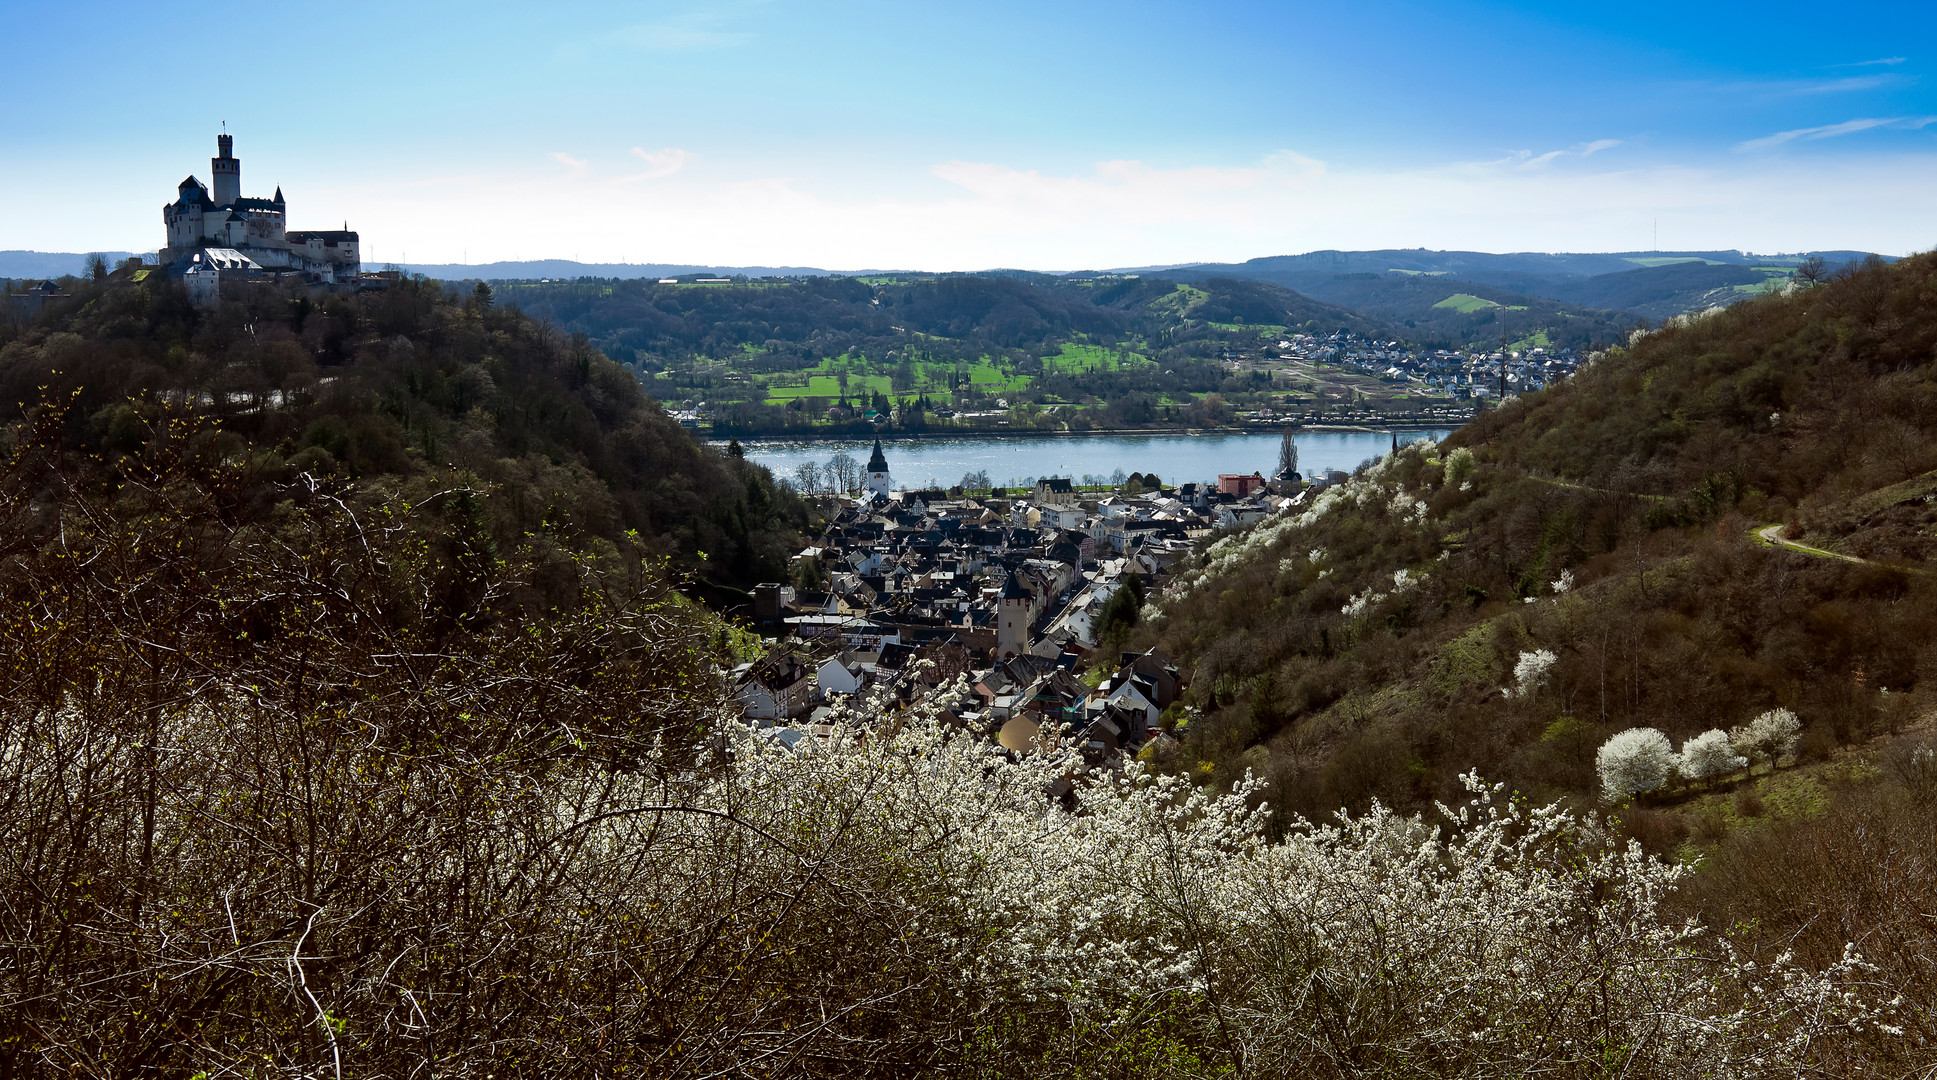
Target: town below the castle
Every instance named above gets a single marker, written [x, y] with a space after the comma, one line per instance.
[1008, 592]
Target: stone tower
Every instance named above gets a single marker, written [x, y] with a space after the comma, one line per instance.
[1012, 619]
[227, 171]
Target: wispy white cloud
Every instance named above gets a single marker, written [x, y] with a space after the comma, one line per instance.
[1831, 131]
[576, 166]
[1527, 159]
[1888, 61]
[659, 163]
[967, 214]
[1844, 86]
[689, 31]
[1775, 89]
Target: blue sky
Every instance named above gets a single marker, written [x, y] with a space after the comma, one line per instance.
[1047, 135]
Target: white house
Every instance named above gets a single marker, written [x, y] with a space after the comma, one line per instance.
[839, 674]
[1120, 691]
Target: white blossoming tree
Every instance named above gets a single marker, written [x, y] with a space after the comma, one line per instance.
[1634, 762]
[1709, 755]
[1530, 672]
[1769, 737]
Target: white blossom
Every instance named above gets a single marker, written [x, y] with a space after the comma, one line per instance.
[1358, 605]
[1634, 762]
[1530, 672]
[1769, 737]
[1708, 755]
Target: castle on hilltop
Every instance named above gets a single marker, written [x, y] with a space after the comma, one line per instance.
[222, 233]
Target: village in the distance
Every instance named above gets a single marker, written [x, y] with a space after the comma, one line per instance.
[917, 591]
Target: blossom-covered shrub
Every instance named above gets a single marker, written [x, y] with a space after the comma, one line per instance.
[1634, 762]
[1530, 672]
[1709, 755]
[1769, 737]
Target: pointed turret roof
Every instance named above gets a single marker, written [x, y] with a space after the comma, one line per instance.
[877, 463]
[278, 199]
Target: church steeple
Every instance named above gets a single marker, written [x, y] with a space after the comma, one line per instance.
[879, 481]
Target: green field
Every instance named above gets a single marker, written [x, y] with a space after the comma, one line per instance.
[990, 379]
[1670, 260]
[1465, 303]
[828, 386]
[1180, 302]
[1273, 329]
[1074, 359]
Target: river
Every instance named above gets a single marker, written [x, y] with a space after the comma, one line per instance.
[1015, 460]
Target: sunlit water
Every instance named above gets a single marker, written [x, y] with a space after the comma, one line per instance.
[942, 461]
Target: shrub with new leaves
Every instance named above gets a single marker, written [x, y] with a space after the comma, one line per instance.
[1769, 737]
[1634, 762]
[1709, 755]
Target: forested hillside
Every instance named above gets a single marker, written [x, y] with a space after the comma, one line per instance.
[1449, 312]
[411, 390]
[782, 325]
[1399, 284]
[1599, 556]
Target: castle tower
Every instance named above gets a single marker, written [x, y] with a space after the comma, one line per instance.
[1012, 619]
[878, 480]
[227, 170]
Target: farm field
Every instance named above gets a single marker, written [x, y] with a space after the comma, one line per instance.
[829, 386]
[1465, 303]
[1668, 260]
[1261, 329]
[1075, 358]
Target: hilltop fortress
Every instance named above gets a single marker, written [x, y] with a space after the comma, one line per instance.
[222, 233]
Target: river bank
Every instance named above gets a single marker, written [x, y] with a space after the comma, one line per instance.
[1403, 426]
[1016, 459]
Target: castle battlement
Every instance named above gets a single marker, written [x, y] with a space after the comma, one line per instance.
[204, 219]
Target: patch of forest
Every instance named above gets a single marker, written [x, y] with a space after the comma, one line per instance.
[1414, 305]
[413, 390]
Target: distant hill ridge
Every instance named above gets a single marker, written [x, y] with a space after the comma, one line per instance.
[1421, 260]
[1460, 297]
[17, 263]
[50, 264]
